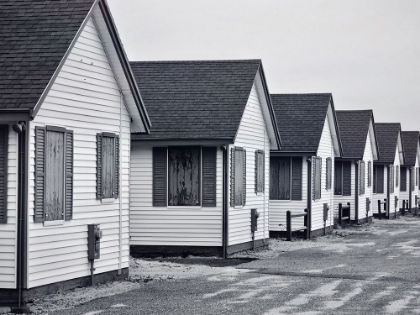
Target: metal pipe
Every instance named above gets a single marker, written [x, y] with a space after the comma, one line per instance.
[288, 225]
[309, 197]
[225, 205]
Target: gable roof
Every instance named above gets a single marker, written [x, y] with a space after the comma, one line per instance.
[354, 127]
[35, 38]
[387, 136]
[197, 99]
[300, 119]
[410, 140]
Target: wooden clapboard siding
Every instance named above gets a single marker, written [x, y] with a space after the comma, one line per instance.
[396, 192]
[278, 208]
[85, 99]
[163, 225]
[8, 231]
[252, 135]
[345, 199]
[325, 150]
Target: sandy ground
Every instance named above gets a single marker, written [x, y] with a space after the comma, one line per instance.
[151, 271]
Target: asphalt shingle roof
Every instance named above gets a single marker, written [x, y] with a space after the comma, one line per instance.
[410, 140]
[34, 37]
[387, 137]
[195, 99]
[354, 127]
[300, 119]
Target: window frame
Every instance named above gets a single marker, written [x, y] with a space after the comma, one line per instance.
[200, 177]
[234, 183]
[328, 184]
[116, 172]
[362, 177]
[317, 182]
[259, 172]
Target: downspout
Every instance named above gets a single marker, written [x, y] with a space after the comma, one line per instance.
[309, 194]
[120, 190]
[224, 149]
[23, 149]
[356, 192]
[388, 192]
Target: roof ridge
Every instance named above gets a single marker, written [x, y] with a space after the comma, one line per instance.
[198, 61]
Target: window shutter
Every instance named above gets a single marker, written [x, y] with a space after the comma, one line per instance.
[39, 174]
[403, 178]
[328, 178]
[99, 166]
[117, 168]
[296, 178]
[317, 178]
[362, 178]
[369, 170]
[397, 175]
[256, 171]
[338, 178]
[4, 137]
[244, 180]
[380, 179]
[69, 176]
[232, 177]
[209, 177]
[159, 176]
[391, 178]
[412, 179]
[346, 178]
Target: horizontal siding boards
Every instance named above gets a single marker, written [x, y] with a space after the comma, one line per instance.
[367, 158]
[165, 225]
[251, 136]
[4, 147]
[8, 231]
[59, 253]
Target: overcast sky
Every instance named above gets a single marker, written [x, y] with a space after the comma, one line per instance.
[366, 52]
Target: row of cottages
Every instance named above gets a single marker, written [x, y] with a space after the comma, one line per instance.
[386, 170]
[353, 172]
[409, 171]
[200, 179]
[301, 171]
[68, 103]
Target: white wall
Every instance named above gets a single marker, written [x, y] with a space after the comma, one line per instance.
[84, 98]
[8, 232]
[252, 135]
[186, 226]
[325, 150]
[278, 208]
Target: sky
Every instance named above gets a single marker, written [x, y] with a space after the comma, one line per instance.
[365, 52]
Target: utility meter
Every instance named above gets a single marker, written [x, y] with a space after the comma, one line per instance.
[254, 219]
[94, 241]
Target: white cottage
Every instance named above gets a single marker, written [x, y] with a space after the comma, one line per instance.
[386, 171]
[409, 172]
[204, 166]
[301, 172]
[354, 171]
[68, 102]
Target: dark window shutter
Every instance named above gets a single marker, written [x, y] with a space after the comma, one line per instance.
[403, 178]
[380, 179]
[209, 177]
[244, 180]
[99, 166]
[69, 176]
[232, 177]
[338, 178]
[361, 178]
[391, 178]
[346, 178]
[317, 177]
[328, 179]
[256, 171]
[4, 147]
[39, 174]
[397, 176]
[369, 170]
[412, 179]
[296, 178]
[159, 177]
[117, 168]
[274, 178]
[259, 171]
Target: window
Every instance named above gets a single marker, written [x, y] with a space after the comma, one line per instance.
[378, 179]
[107, 165]
[53, 174]
[369, 174]
[342, 181]
[403, 178]
[413, 175]
[329, 174]
[4, 136]
[184, 176]
[317, 170]
[362, 178]
[259, 171]
[286, 178]
[397, 175]
[238, 177]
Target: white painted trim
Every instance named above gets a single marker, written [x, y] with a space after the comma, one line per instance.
[54, 223]
[108, 200]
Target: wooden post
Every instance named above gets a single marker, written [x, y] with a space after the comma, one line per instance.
[306, 223]
[289, 226]
[340, 213]
[379, 210]
[385, 207]
[403, 207]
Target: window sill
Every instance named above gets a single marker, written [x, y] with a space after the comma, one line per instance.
[54, 223]
[184, 207]
[108, 200]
